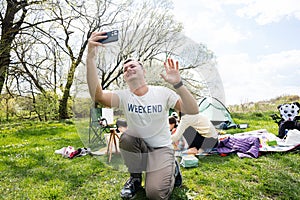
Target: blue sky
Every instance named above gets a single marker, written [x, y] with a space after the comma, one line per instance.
[256, 42]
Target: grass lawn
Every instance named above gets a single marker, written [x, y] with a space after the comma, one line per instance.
[29, 168]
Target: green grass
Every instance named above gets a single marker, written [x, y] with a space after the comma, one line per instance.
[29, 169]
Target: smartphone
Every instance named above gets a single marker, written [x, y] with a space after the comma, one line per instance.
[112, 36]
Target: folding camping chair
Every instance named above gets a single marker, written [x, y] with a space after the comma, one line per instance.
[99, 125]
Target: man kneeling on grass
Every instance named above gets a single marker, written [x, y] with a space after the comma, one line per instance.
[146, 144]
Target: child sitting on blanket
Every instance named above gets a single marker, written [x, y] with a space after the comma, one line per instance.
[178, 145]
[199, 133]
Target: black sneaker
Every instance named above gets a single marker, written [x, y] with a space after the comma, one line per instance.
[130, 188]
[178, 177]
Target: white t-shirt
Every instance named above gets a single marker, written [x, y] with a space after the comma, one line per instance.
[147, 115]
[199, 122]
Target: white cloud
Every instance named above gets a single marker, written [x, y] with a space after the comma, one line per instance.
[272, 75]
[268, 11]
[205, 22]
[247, 74]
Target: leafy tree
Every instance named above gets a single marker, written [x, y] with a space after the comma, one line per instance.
[7, 107]
[50, 38]
[148, 33]
[13, 15]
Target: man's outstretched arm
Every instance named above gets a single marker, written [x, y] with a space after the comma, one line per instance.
[98, 95]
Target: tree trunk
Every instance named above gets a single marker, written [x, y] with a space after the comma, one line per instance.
[63, 104]
[4, 64]
[9, 31]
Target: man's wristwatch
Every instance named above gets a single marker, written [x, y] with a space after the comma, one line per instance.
[178, 85]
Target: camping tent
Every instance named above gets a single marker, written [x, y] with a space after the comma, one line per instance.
[217, 113]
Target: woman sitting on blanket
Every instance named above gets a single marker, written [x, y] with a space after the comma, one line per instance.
[198, 131]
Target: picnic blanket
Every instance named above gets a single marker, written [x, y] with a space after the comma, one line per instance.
[243, 146]
[268, 141]
[247, 144]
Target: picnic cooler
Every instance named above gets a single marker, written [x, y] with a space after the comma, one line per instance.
[189, 161]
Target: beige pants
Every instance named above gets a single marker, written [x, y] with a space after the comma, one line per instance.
[158, 163]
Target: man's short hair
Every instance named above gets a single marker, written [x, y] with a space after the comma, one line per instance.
[132, 59]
